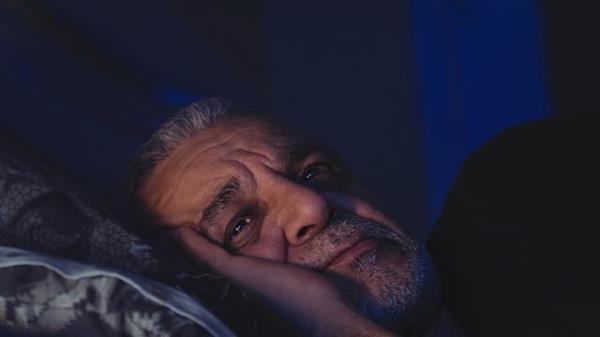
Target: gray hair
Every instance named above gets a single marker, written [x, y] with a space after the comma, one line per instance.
[184, 124]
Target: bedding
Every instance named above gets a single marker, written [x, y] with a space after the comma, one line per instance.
[41, 295]
[516, 246]
[42, 213]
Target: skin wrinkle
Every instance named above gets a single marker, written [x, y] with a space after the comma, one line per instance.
[226, 193]
[180, 155]
[186, 167]
[198, 143]
[180, 158]
[386, 283]
[344, 228]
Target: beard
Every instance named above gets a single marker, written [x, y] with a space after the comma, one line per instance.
[394, 284]
[401, 287]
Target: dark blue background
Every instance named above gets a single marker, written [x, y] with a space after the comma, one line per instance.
[404, 90]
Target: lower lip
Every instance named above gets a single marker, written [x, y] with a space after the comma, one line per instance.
[353, 252]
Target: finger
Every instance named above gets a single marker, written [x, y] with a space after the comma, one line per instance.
[238, 267]
[262, 276]
[300, 295]
[201, 249]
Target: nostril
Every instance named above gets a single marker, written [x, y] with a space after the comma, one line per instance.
[304, 231]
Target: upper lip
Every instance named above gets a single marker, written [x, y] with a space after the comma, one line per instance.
[341, 250]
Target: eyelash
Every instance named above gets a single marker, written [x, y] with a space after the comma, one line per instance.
[313, 165]
[247, 213]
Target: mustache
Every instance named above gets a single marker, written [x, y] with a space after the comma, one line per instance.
[346, 228]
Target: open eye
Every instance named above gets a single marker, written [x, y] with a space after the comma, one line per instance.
[239, 226]
[243, 228]
[313, 170]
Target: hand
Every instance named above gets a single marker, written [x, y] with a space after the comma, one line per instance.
[307, 299]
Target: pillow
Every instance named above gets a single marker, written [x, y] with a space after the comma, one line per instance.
[41, 212]
[53, 296]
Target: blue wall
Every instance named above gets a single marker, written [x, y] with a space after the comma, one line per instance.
[478, 68]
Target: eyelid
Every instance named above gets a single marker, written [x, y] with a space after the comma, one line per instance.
[246, 235]
[320, 162]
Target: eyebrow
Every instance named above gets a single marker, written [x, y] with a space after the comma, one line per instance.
[296, 153]
[226, 193]
[292, 155]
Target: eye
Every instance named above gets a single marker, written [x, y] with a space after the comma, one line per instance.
[313, 170]
[310, 173]
[244, 228]
[239, 226]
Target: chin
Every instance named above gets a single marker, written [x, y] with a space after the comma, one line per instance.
[393, 284]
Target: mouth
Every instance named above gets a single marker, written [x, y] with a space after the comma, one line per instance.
[349, 253]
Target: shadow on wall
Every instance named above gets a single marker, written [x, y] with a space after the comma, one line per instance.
[403, 90]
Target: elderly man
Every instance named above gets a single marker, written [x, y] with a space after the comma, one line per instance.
[283, 218]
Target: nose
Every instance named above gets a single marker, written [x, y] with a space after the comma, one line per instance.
[303, 212]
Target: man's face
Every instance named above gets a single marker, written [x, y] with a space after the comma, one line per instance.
[257, 191]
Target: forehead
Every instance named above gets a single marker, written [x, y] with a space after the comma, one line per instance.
[185, 177]
[233, 138]
[240, 132]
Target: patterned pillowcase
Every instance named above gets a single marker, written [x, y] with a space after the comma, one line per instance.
[57, 297]
[41, 212]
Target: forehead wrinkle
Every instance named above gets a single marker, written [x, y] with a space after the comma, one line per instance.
[262, 147]
[264, 157]
[190, 163]
[173, 171]
[200, 151]
[245, 172]
[237, 138]
[186, 162]
[272, 148]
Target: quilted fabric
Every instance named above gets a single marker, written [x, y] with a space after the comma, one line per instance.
[42, 212]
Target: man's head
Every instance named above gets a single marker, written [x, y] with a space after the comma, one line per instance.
[258, 190]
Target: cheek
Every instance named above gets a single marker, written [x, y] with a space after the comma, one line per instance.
[365, 210]
[270, 246]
